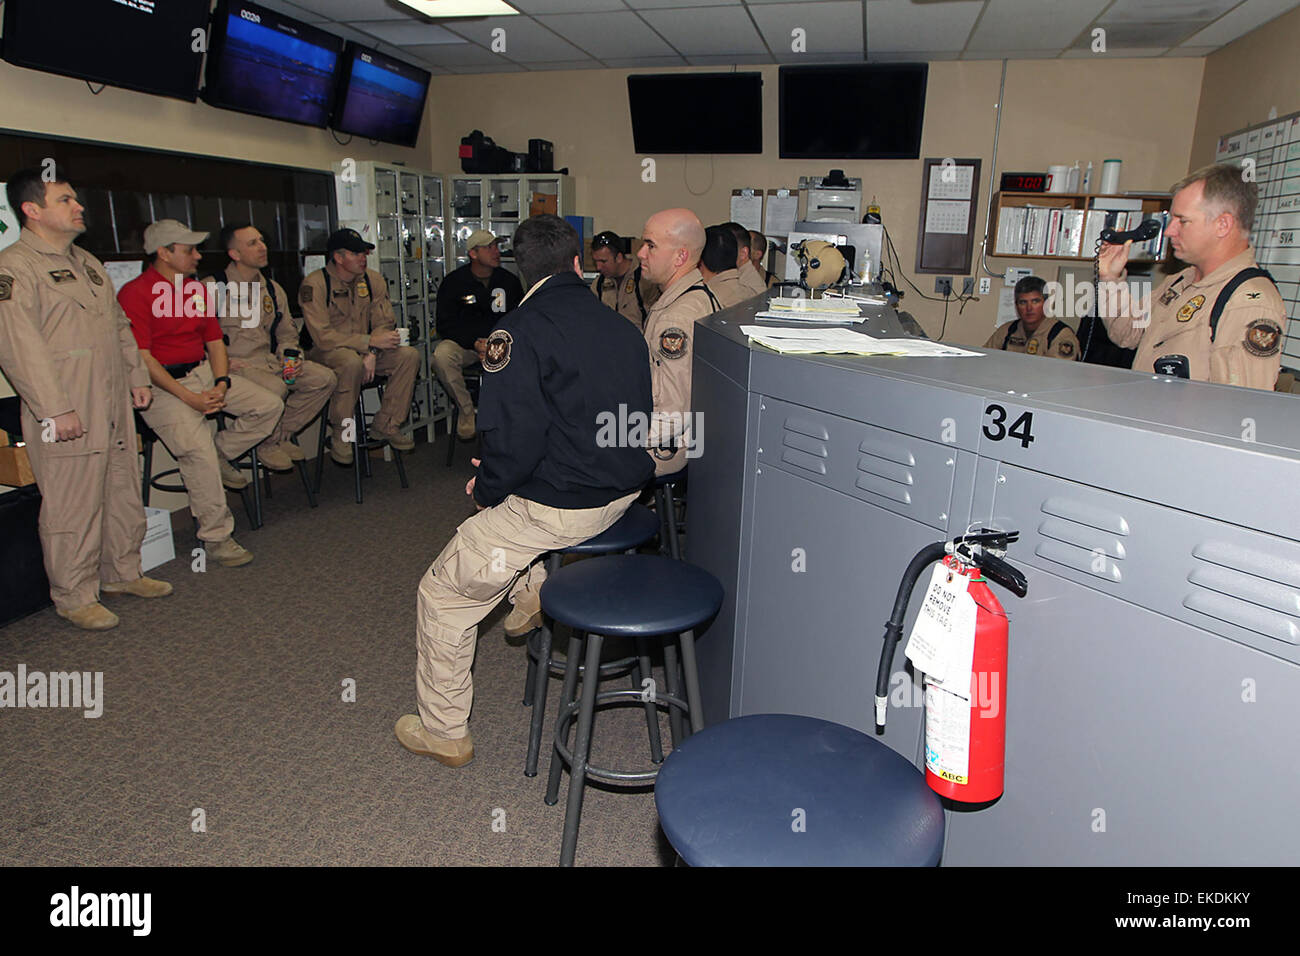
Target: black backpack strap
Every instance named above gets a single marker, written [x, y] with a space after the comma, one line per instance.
[636, 284]
[1221, 303]
[1057, 329]
[327, 287]
[717, 306]
[600, 285]
[1011, 327]
[275, 301]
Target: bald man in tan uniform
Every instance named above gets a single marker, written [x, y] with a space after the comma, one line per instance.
[670, 254]
[1209, 226]
[68, 351]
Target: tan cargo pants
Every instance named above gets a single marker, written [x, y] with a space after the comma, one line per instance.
[489, 556]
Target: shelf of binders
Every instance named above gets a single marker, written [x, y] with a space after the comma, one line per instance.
[1065, 226]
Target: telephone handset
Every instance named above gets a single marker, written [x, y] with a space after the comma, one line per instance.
[1147, 229]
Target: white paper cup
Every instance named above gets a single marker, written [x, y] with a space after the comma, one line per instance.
[403, 336]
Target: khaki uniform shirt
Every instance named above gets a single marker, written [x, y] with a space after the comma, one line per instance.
[726, 286]
[253, 345]
[670, 335]
[1065, 344]
[1247, 347]
[620, 295]
[753, 283]
[66, 345]
[355, 309]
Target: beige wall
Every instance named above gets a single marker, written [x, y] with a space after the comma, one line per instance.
[1246, 79]
[1056, 111]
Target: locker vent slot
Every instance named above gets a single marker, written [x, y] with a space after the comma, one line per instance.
[804, 445]
[1083, 537]
[1246, 588]
[885, 469]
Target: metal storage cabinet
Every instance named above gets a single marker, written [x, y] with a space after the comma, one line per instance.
[1154, 672]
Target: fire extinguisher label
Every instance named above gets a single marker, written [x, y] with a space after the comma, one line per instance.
[942, 642]
[947, 734]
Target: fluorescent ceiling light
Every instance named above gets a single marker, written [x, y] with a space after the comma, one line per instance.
[461, 8]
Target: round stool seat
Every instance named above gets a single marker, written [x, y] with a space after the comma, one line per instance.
[729, 796]
[637, 526]
[672, 479]
[631, 595]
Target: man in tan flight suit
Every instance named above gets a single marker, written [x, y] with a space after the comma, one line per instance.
[621, 284]
[1028, 333]
[716, 266]
[757, 254]
[67, 349]
[351, 321]
[1211, 216]
[670, 254]
[749, 279]
[257, 342]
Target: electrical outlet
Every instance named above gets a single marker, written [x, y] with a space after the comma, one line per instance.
[985, 285]
[943, 285]
[967, 286]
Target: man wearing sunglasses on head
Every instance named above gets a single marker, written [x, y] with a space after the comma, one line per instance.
[621, 284]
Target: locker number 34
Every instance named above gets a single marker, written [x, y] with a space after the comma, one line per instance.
[995, 428]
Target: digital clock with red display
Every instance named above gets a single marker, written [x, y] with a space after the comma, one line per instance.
[1024, 182]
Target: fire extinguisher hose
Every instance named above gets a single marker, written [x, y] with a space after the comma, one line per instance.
[894, 628]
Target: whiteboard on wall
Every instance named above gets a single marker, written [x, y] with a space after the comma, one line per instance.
[1272, 151]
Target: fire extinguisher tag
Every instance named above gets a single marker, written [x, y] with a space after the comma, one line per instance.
[942, 642]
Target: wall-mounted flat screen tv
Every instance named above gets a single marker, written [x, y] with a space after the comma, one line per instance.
[380, 97]
[856, 111]
[265, 63]
[144, 45]
[696, 112]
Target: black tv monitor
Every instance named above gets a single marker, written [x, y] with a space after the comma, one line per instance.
[379, 97]
[856, 111]
[267, 64]
[696, 112]
[149, 47]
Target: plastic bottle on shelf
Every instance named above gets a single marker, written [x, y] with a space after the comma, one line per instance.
[1075, 172]
[1087, 179]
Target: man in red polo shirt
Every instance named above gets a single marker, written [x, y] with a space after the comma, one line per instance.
[174, 327]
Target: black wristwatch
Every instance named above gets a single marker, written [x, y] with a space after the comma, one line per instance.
[375, 351]
[221, 378]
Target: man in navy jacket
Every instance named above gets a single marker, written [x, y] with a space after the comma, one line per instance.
[557, 371]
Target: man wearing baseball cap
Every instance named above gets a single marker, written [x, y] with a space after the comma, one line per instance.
[471, 301]
[180, 339]
[354, 331]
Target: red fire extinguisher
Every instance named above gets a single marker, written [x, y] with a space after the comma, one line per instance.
[965, 740]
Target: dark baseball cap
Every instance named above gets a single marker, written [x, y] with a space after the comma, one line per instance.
[348, 239]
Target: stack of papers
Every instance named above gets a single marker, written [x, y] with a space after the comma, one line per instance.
[845, 342]
[813, 311]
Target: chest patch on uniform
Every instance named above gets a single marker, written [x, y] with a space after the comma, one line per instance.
[1263, 337]
[6, 287]
[363, 289]
[496, 355]
[1066, 349]
[267, 305]
[1169, 295]
[630, 287]
[1032, 347]
[672, 343]
[304, 294]
[63, 275]
[94, 276]
[1015, 341]
[340, 293]
[1190, 308]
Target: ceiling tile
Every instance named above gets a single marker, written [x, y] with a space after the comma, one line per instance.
[1239, 22]
[1149, 10]
[918, 56]
[608, 35]
[661, 4]
[707, 31]
[1012, 24]
[293, 10]
[1116, 53]
[903, 27]
[1012, 54]
[747, 59]
[644, 62]
[399, 33]
[829, 28]
[568, 65]
[498, 67]
[1136, 33]
[566, 6]
[455, 57]
[527, 41]
[345, 10]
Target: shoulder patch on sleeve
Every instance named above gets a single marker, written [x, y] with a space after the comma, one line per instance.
[304, 293]
[6, 287]
[1263, 338]
[497, 353]
[1066, 349]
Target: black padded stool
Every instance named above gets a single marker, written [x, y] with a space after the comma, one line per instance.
[154, 482]
[729, 797]
[637, 526]
[625, 595]
[665, 505]
[362, 442]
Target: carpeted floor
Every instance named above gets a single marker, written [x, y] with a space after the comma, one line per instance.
[226, 697]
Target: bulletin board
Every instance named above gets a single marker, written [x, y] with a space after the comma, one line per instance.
[946, 229]
[1272, 148]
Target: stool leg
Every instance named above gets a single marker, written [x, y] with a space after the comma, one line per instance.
[320, 450]
[257, 488]
[581, 750]
[530, 678]
[674, 688]
[358, 447]
[401, 469]
[661, 507]
[571, 665]
[692, 682]
[148, 473]
[670, 515]
[306, 483]
[541, 678]
[451, 433]
[642, 671]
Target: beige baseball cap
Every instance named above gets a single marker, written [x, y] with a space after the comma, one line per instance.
[164, 232]
[479, 237]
